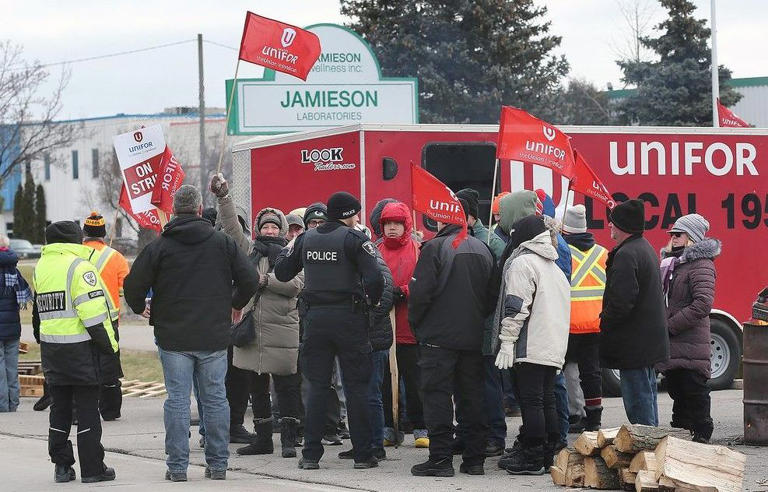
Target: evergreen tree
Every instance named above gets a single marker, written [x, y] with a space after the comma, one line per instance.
[676, 89]
[470, 56]
[27, 212]
[17, 227]
[40, 215]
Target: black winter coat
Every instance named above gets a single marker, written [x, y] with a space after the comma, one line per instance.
[452, 292]
[633, 327]
[197, 276]
[10, 322]
[380, 332]
[689, 301]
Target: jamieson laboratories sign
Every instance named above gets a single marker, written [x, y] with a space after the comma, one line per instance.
[344, 87]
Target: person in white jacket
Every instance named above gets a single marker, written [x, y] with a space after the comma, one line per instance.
[534, 313]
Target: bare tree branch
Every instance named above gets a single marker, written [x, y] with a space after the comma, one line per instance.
[28, 119]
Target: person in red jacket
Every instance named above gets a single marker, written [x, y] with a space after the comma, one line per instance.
[400, 251]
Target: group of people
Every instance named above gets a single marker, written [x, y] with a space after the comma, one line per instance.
[318, 301]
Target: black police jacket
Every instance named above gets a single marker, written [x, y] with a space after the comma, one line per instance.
[339, 264]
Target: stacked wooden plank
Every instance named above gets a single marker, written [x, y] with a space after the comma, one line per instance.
[141, 389]
[645, 458]
[31, 378]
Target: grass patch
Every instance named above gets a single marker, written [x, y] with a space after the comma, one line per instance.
[137, 364]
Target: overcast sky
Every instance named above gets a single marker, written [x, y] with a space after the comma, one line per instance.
[593, 33]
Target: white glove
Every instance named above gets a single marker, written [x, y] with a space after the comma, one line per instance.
[506, 357]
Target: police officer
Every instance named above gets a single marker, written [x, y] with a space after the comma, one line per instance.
[71, 322]
[342, 281]
[112, 269]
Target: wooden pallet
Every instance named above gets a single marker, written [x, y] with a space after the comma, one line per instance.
[23, 347]
[30, 367]
[141, 389]
[35, 391]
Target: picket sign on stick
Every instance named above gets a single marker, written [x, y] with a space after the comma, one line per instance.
[114, 226]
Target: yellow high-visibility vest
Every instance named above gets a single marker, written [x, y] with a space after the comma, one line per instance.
[587, 288]
[69, 296]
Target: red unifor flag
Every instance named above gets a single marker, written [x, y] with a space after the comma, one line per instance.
[525, 138]
[586, 182]
[728, 118]
[170, 177]
[435, 200]
[148, 220]
[279, 46]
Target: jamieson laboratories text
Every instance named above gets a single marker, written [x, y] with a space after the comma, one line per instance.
[330, 99]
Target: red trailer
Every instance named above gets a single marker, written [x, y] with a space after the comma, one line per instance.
[714, 172]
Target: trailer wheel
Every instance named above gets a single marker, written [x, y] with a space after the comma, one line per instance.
[611, 382]
[725, 354]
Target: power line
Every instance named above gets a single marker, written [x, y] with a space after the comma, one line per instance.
[111, 55]
[220, 45]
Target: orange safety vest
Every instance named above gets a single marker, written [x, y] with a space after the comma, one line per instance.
[587, 287]
[112, 268]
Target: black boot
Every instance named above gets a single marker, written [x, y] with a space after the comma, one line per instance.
[702, 432]
[63, 473]
[107, 475]
[262, 444]
[531, 461]
[288, 427]
[593, 418]
[238, 434]
[434, 468]
[575, 424]
[506, 459]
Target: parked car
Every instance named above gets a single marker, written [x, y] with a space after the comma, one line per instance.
[24, 249]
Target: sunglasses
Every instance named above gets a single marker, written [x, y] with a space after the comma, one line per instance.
[676, 234]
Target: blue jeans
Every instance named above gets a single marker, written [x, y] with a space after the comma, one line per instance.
[561, 404]
[210, 370]
[379, 360]
[9, 375]
[493, 402]
[638, 390]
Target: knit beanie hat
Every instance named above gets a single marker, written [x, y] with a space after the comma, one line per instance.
[495, 204]
[694, 225]
[575, 220]
[473, 201]
[342, 205]
[316, 211]
[210, 214]
[64, 231]
[95, 226]
[466, 206]
[294, 219]
[269, 218]
[629, 216]
[547, 204]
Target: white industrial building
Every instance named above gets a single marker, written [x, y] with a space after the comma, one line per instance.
[70, 176]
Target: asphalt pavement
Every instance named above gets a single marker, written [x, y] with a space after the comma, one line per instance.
[135, 446]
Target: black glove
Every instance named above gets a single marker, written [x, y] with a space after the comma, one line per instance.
[397, 294]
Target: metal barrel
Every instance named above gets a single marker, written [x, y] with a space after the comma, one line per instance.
[755, 362]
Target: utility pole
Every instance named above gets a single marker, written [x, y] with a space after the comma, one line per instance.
[715, 72]
[201, 113]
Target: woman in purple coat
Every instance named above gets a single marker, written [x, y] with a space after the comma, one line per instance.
[688, 276]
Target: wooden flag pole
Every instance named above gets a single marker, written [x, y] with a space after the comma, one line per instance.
[493, 195]
[226, 121]
[395, 379]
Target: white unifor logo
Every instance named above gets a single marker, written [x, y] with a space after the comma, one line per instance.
[288, 36]
[549, 133]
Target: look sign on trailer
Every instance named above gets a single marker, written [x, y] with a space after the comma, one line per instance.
[140, 154]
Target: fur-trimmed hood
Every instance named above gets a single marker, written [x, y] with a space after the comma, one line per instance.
[276, 211]
[708, 248]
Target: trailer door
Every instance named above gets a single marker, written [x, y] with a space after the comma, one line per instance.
[463, 165]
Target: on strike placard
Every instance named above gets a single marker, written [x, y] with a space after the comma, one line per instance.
[140, 154]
